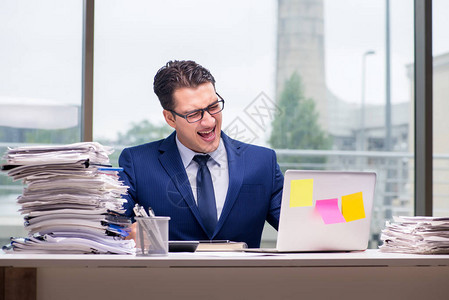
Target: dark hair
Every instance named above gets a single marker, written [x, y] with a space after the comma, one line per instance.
[179, 74]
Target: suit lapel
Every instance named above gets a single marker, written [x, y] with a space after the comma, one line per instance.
[171, 161]
[236, 173]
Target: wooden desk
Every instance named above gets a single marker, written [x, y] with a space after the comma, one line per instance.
[359, 275]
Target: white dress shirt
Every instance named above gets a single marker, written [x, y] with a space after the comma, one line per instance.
[218, 167]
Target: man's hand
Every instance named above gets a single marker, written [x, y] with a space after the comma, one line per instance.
[132, 232]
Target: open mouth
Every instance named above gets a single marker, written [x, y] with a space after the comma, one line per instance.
[207, 135]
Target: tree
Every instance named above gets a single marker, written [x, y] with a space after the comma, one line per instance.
[43, 136]
[143, 132]
[297, 126]
[139, 133]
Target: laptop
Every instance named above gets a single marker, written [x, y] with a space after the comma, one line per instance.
[325, 211]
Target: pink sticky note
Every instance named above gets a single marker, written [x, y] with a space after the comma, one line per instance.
[329, 211]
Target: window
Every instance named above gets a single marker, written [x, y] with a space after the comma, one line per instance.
[40, 90]
[332, 55]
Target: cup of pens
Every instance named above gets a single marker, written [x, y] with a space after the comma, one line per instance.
[152, 236]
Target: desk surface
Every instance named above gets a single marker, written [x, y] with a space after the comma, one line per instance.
[356, 275]
[366, 258]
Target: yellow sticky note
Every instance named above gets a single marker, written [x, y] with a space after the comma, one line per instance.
[301, 192]
[352, 207]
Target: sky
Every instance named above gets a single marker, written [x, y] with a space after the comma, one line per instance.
[236, 40]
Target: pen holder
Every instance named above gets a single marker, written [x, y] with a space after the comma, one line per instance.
[152, 236]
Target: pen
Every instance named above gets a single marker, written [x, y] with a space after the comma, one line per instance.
[87, 163]
[110, 169]
[155, 226]
[151, 212]
[142, 243]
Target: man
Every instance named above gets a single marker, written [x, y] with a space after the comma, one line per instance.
[211, 186]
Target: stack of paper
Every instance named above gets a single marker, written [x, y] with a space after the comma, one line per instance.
[71, 201]
[422, 235]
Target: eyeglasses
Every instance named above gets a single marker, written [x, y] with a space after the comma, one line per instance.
[197, 115]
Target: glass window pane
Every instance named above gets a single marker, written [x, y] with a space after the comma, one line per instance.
[328, 56]
[40, 90]
[335, 53]
[236, 40]
[440, 108]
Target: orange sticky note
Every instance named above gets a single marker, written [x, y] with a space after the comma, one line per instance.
[352, 207]
[301, 192]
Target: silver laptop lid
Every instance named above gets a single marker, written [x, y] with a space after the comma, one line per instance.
[325, 211]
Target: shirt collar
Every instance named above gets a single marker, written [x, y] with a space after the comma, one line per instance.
[187, 154]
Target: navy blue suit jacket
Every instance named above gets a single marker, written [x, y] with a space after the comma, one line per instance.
[156, 178]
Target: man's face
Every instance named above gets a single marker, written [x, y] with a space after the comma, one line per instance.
[202, 136]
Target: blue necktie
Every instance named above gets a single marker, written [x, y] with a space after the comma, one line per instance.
[205, 194]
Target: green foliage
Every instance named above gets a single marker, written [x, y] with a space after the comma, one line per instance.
[31, 136]
[143, 132]
[58, 136]
[7, 181]
[297, 126]
[139, 133]
[41, 136]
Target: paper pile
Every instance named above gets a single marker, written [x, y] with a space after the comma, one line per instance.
[421, 235]
[71, 201]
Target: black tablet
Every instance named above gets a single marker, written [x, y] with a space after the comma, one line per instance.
[182, 246]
